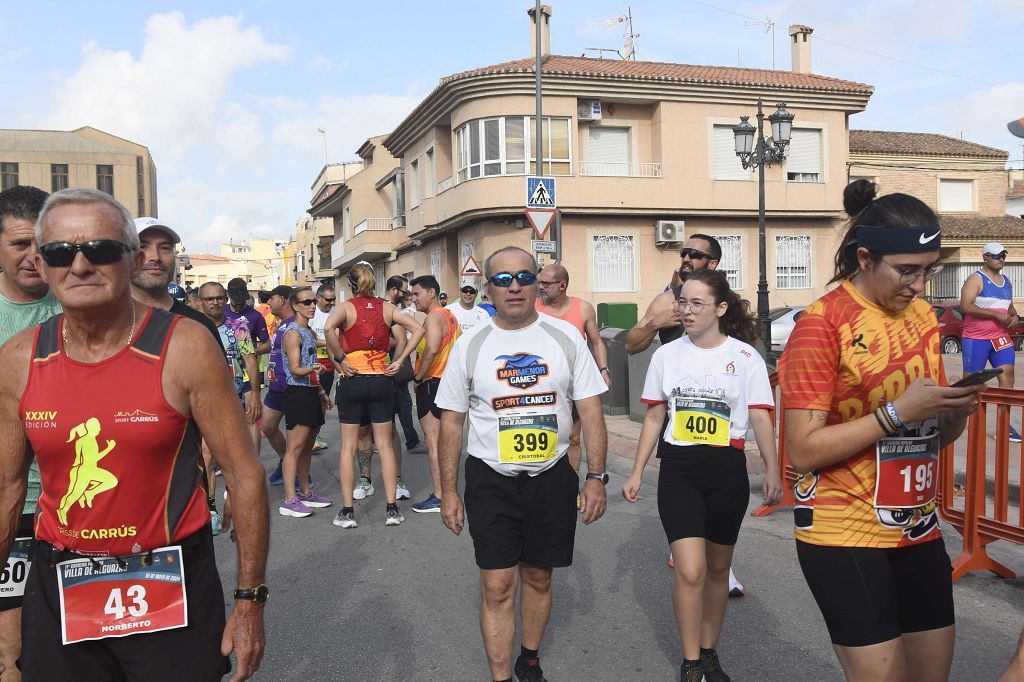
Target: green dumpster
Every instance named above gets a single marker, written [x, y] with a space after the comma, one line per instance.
[621, 315]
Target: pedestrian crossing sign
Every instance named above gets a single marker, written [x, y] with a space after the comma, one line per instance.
[540, 192]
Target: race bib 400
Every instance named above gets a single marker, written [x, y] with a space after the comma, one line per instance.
[532, 438]
[699, 420]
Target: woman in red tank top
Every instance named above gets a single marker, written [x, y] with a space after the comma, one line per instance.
[358, 334]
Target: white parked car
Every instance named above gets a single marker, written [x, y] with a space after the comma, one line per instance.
[783, 320]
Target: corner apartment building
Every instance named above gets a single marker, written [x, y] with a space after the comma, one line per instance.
[85, 157]
[314, 235]
[964, 182]
[662, 149]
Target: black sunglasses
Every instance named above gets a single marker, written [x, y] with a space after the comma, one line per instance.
[308, 301]
[329, 300]
[694, 254]
[97, 251]
[1000, 256]
[504, 279]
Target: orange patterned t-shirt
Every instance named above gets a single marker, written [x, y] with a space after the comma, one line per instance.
[848, 357]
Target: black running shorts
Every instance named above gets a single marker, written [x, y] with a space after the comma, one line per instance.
[189, 653]
[426, 393]
[302, 407]
[26, 529]
[703, 492]
[869, 595]
[522, 518]
[365, 399]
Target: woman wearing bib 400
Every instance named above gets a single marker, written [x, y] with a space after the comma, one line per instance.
[867, 413]
[702, 392]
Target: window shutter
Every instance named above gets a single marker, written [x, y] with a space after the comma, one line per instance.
[609, 145]
[956, 195]
[804, 152]
[727, 165]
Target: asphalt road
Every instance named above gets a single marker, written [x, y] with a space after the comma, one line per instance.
[401, 603]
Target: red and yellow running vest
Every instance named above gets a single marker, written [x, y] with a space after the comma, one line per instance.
[120, 467]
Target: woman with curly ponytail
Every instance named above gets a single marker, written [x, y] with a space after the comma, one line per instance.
[703, 391]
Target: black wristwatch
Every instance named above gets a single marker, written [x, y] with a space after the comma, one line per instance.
[339, 360]
[603, 477]
[258, 595]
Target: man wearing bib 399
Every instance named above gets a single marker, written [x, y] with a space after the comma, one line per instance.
[519, 374]
[986, 300]
[111, 397]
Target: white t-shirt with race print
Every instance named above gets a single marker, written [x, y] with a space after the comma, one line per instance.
[468, 318]
[708, 391]
[518, 387]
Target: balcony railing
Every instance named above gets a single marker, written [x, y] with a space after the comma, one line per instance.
[373, 225]
[446, 184]
[630, 170]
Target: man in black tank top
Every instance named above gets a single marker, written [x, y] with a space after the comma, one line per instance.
[662, 318]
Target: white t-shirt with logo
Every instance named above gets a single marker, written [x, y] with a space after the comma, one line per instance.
[518, 387]
[317, 324]
[709, 392]
[468, 319]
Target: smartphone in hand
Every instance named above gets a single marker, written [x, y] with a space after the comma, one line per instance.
[978, 377]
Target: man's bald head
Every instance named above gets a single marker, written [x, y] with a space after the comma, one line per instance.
[554, 281]
[555, 272]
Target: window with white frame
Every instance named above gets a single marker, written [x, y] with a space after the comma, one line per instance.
[414, 182]
[731, 262]
[378, 272]
[727, 166]
[614, 263]
[498, 146]
[803, 162]
[956, 196]
[792, 262]
[435, 265]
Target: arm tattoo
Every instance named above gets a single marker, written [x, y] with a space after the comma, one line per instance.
[816, 415]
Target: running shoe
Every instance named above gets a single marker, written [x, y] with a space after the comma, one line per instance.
[345, 519]
[294, 507]
[394, 517]
[319, 444]
[431, 504]
[712, 668]
[671, 563]
[276, 477]
[692, 672]
[215, 522]
[363, 488]
[309, 482]
[418, 449]
[528, 670]
[216, 469]
[314, 500]
[1014, 436]
[402, 492]
[735, 587]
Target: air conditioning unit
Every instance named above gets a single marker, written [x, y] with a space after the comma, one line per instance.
[669, 232]
[588, 110]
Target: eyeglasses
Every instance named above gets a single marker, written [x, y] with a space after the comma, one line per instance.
[504, 279]
[1001, 256]
[908, 276]
[97, 251]
[328, 300]
[694, 254]
[214, 299]
[694, 306]
[308, 301]
[546, 283]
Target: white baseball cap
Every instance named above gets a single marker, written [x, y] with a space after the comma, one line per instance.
[992, 249]
[147, 223]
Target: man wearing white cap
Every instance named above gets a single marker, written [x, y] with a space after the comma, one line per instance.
[465, 310]
[986, 300]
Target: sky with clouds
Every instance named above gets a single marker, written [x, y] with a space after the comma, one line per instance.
[228, 96]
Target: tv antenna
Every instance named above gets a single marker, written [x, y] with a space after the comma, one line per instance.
[769, 25]
[628, 51]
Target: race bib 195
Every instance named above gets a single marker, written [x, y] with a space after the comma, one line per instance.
[906, 472]
[700, 420]
[532, 438]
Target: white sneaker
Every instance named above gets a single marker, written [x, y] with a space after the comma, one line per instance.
[363, 489]
[735, 587]
[402, 492]
[394, 518]
[345, 519]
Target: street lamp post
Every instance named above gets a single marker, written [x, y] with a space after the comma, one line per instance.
[754, 150]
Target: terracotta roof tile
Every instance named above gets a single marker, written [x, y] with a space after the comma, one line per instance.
[919, 144]
[660, 71]
[982, 227]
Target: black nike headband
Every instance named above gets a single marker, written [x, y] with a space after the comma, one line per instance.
[885, 240]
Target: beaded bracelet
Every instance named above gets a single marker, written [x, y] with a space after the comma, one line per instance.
[890, 409]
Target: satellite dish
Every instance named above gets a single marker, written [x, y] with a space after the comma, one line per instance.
[1016, 127]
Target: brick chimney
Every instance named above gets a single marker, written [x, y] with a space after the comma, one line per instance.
[801, 46]
[545, 31]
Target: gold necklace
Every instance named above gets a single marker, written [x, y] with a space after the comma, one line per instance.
[64, 330]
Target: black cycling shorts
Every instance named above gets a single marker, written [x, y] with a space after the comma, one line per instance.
[26, 529]
[869, 595]
[703, 492]
[365, 399]
[522, 518]
[302, 407]
[189, 653]
[426, 393]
